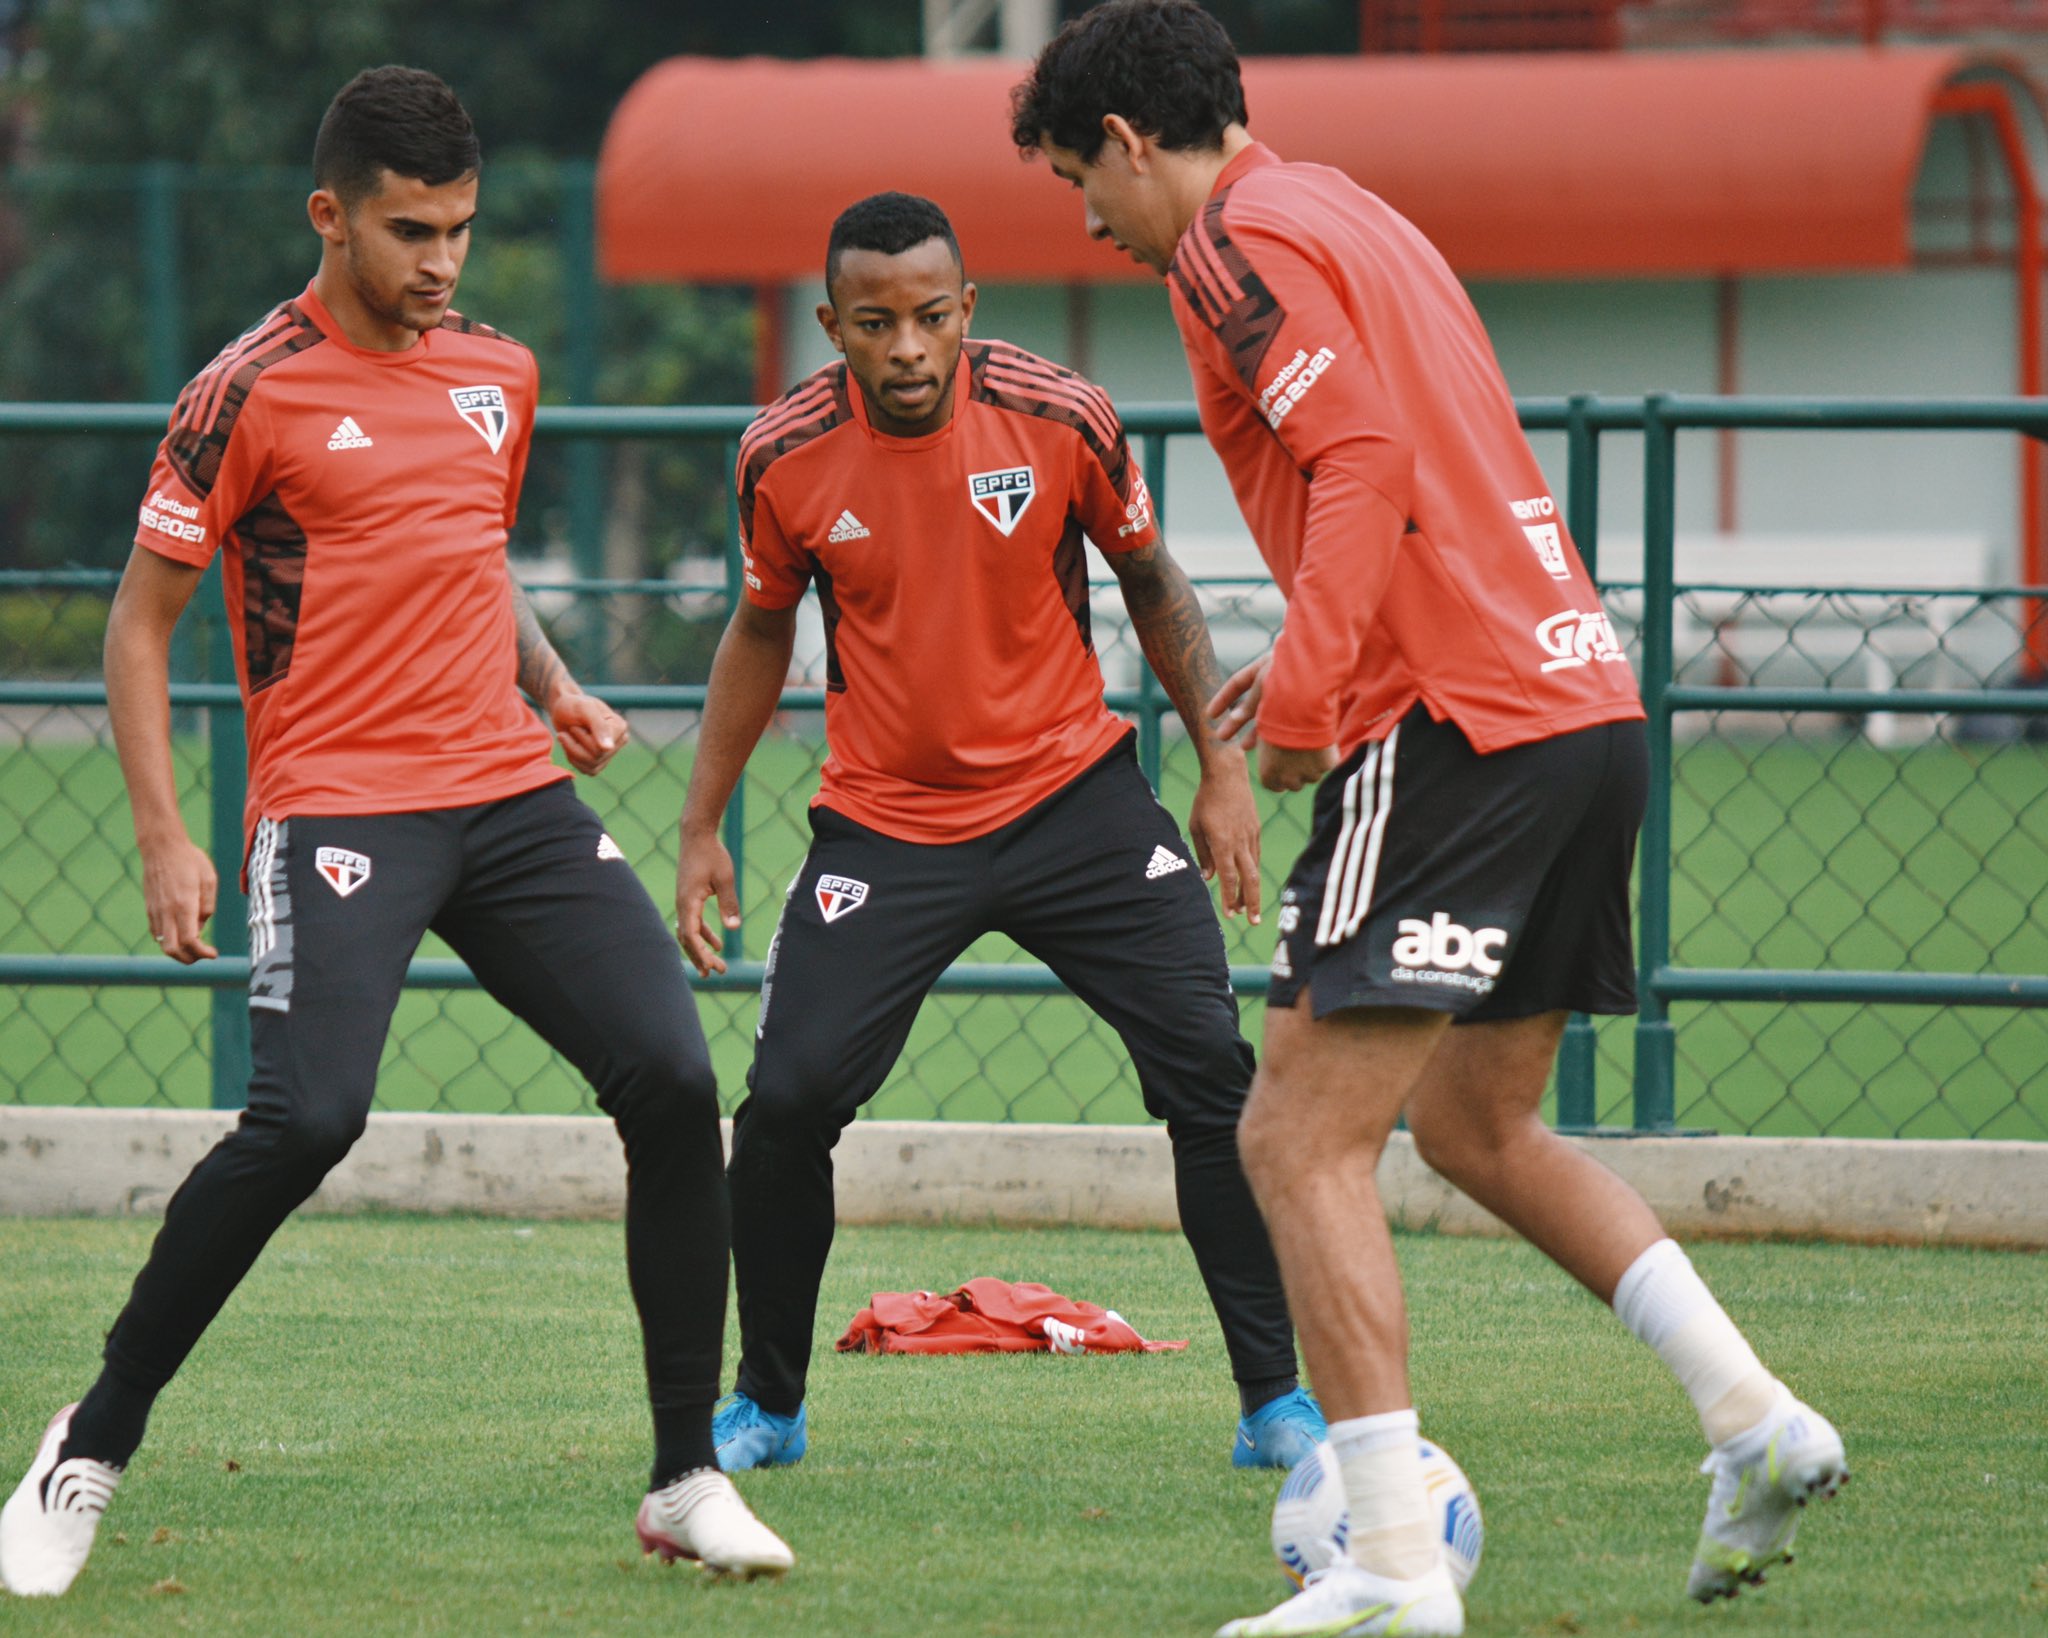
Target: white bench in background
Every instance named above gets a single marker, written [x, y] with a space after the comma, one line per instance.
[1867, 638]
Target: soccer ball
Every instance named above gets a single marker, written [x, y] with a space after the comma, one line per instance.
[1312, 1528]
[1456, 1506]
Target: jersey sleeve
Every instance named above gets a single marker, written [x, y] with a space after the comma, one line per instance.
[1114, 504]
[776, 569]
[522, 442]
[208, 470]
[1307, 374]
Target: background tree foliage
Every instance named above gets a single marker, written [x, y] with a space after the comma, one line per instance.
[231, 92]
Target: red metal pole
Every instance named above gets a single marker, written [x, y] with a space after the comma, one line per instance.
[1728, 382]
[1991, 102]
[1873, 22]
[767, 342]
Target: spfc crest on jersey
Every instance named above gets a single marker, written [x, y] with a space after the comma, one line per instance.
[341, 869]
[1001, 497]
[484, 408]
[840, 896]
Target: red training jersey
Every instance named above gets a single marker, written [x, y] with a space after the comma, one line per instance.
[962, 684]
[1373, 446]
[363, 500]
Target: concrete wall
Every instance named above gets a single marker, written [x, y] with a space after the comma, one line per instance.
[124, 1162]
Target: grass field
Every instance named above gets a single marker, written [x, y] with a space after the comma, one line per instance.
[1793, 852]
[434, 1426]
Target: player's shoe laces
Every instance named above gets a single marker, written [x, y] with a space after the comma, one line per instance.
[748, 1436]
[1762, 1478]
[701, 1517]
[47, 1526]
[1280, 1432]
[1348, 1601]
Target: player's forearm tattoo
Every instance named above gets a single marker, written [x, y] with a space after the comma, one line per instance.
[541, 672]
[1174, 634]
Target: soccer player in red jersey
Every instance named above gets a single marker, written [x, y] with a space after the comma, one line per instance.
[937, 491]
[1447, 675]
[356, 457]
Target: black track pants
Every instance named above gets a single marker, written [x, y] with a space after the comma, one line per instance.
[552, 920]
[1097, 883]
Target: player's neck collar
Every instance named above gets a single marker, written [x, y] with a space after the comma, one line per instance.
[330, 327]
[963, 389]
[1246, 159]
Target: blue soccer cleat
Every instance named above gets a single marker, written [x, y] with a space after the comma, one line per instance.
[1280, 1432]
[748, 1436]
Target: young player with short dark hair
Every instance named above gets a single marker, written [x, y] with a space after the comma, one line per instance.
[356, 457]
[937, 492]
[1447, 674]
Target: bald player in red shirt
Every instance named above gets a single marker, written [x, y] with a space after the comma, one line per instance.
[937, 492]
[356, 458]
[1447, 674]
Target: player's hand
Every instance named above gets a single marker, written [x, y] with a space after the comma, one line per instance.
[1284, 770]
[179, 889]
[1235, 709]
[1224, 826]
[704, 870]
[591, 732]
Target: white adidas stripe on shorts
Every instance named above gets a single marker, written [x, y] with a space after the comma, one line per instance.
[1355, 861]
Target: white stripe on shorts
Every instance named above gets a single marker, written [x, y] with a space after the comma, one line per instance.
[1381, 810]
[1359, 788]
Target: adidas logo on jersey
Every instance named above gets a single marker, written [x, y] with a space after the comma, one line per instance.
[1164, 862]
[849, 527]
[348, 435]
[607, 848]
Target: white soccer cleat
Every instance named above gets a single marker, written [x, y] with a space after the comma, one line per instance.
[1762, 1478]
[1348, 1601]
[702, 1517]
[47, 1526]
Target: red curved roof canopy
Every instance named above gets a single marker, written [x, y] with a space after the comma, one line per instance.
[1516, 166]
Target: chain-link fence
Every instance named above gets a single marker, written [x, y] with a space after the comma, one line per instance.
[1895, 827]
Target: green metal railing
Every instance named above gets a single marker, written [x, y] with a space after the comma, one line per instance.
[1582, 420]
[1660, 981]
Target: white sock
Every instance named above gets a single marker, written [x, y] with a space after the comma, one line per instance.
[1666, 1304]
[1381, 1460]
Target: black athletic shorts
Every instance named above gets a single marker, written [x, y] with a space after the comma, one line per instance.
[1483, 886]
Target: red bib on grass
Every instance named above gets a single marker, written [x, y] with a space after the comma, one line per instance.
[987, 1316]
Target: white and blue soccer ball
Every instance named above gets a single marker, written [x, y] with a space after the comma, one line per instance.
[1456, 1506]
[1312, 1527]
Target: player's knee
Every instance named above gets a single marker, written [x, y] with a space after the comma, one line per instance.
[1264, 1146]
[791, 1097]
[1455, 1141]
[661, 1080]
[1198, 1078]
[1442, 1143]
[314, 1139]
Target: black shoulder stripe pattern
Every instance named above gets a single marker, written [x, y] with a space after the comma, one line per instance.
[1216, 279]
[1011, 379]
[809, 410]
[198, 440]
[464, 325]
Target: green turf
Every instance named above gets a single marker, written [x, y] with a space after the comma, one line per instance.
[1794, 852]
[421, 1426]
